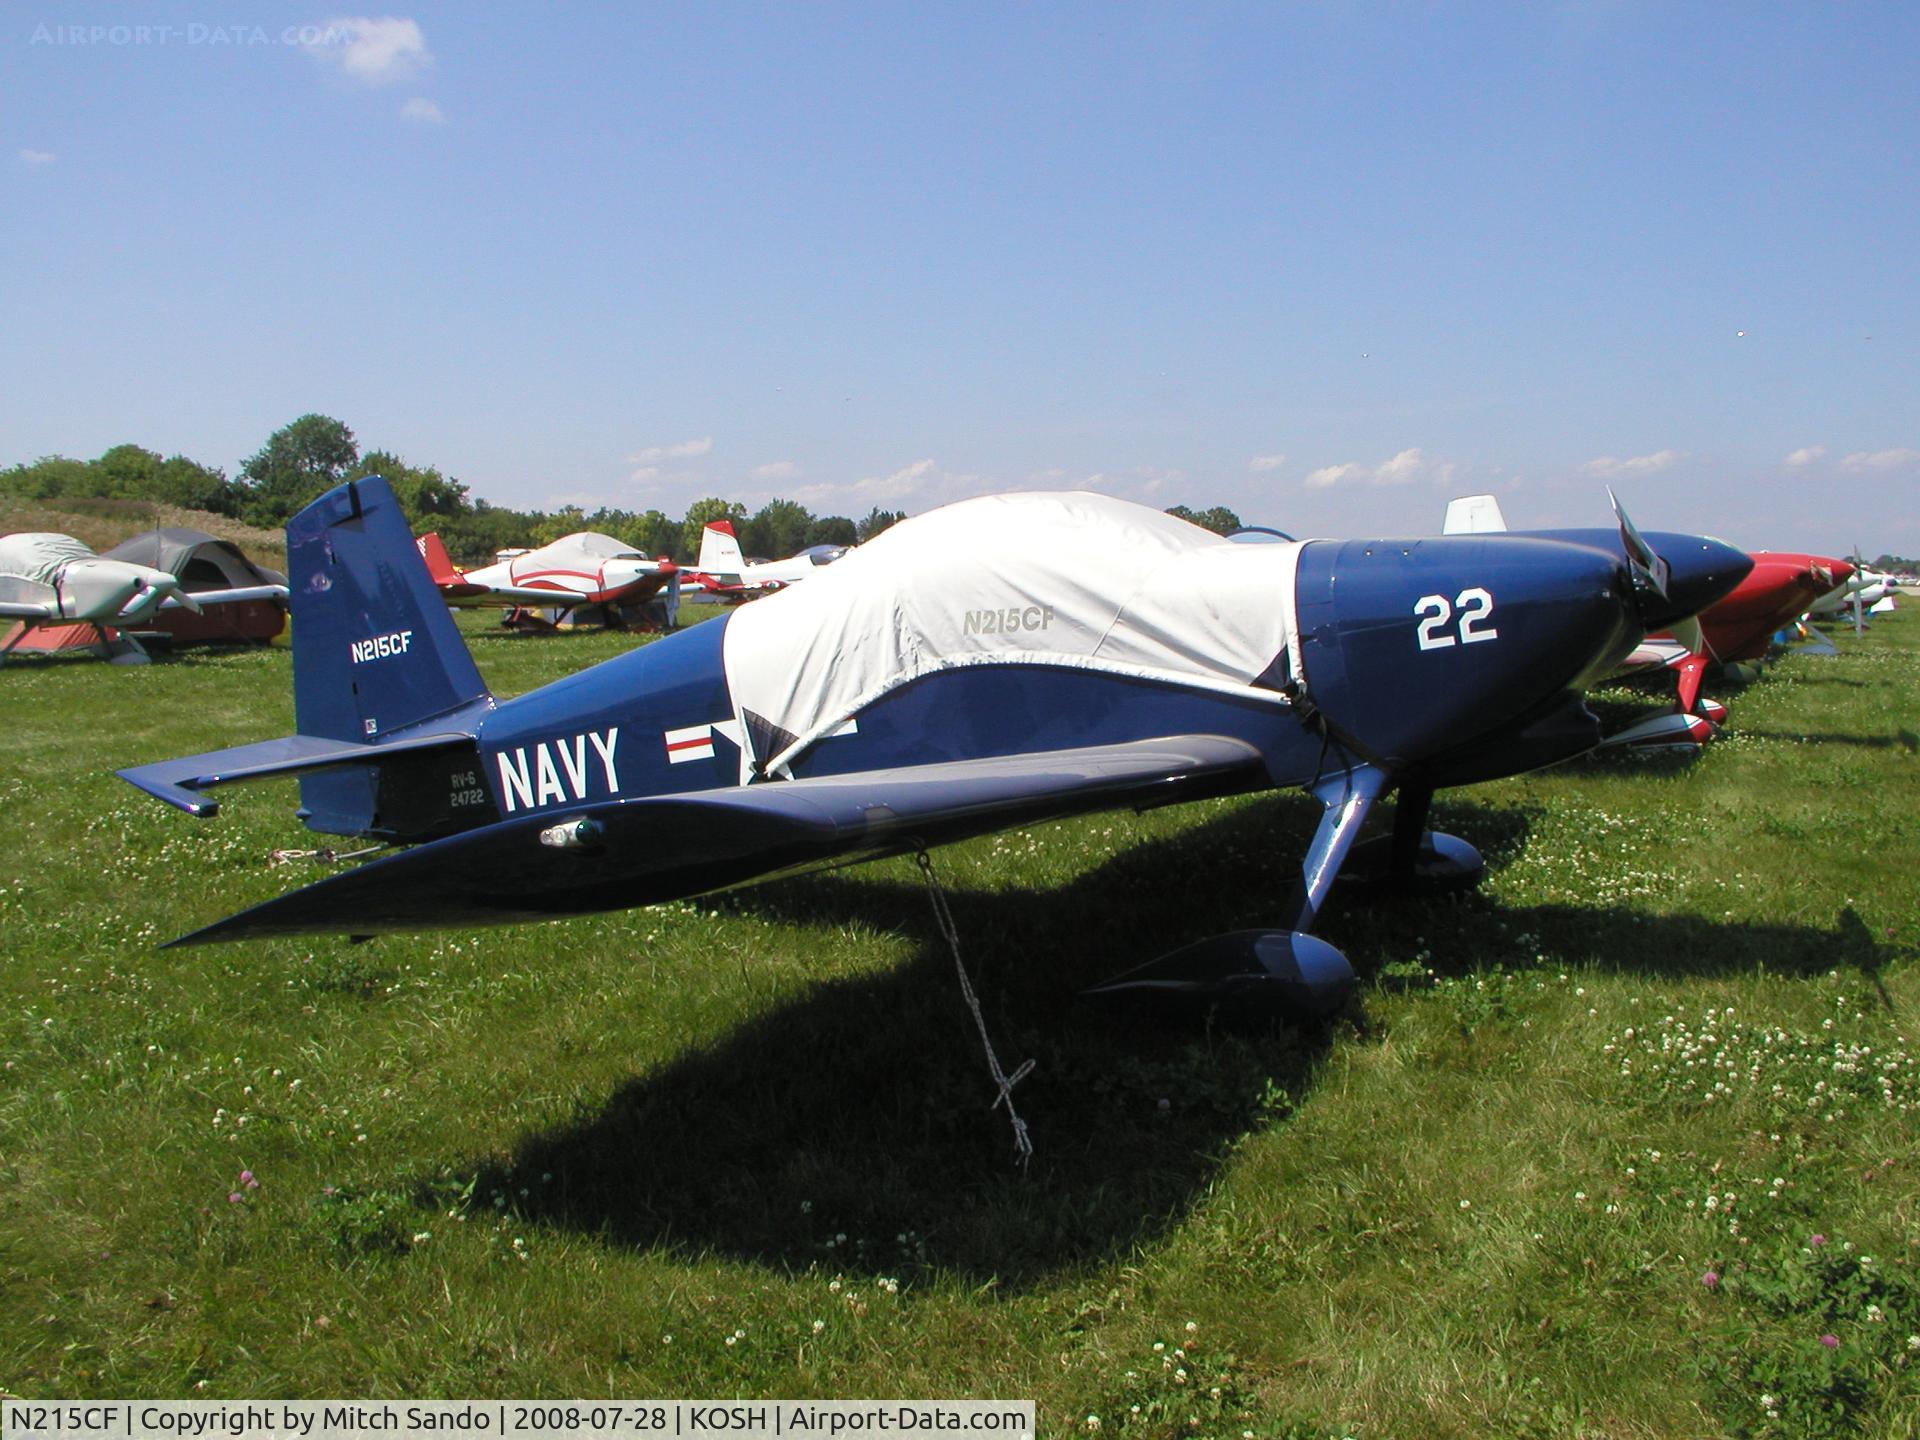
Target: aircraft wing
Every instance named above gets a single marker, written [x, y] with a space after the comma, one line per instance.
[468, 593]
[612, 855]
[26, 610]
[232, 596]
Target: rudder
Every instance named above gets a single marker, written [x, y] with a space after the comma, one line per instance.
[720, 548]
[375, 649]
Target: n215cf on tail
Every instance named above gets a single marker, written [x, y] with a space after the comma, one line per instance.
[998, 662]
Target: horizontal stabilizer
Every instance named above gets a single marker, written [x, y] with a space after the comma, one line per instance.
[611, 856]
[178, 782]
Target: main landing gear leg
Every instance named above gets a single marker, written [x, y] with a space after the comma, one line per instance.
[1288, 973]
[1414, 859]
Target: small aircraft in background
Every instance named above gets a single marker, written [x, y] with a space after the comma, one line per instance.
[543, 587]
[1865, 592]
[64, 596]
[997, 662]
[1736, 629]
[723, 573]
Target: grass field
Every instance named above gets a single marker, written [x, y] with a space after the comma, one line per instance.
[1621, 1145]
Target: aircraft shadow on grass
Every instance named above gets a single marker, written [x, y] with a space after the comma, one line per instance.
[862, 1109]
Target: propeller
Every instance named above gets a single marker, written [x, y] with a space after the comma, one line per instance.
[1859, 608]
[1650, 570]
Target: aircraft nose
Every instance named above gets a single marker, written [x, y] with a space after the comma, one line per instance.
[1700, 570]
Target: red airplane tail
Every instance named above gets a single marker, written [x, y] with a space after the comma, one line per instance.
[439, 564]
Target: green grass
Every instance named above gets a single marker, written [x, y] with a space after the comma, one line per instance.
[744, 1147]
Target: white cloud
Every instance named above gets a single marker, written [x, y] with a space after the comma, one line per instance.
[1606, 467]
[644, 474]
[1327, 476]
[1266, 462]
[422, 111]
[1806, 455]
[776, 470]
[903, 481]
[37, 157]
[1861, 461]
[684, 450]
[1402, 469]
[373, 52]
[873, 490]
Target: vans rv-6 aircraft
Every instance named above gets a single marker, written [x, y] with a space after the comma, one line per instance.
[541, 587]
[997, 662]
[723, 573]
[54, 585]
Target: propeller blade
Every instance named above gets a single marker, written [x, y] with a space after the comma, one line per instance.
[1649, 568]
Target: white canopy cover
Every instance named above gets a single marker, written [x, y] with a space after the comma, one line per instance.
[38, 558]
[1046, 578]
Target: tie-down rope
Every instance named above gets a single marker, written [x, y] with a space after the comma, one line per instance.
[1003, 1082]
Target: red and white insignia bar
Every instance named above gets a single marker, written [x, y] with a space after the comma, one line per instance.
[693, 743]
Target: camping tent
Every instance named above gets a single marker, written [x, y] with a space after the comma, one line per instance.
[204, 562]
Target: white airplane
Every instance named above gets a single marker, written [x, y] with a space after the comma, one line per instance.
[1868, 591]
[52, 582]
[585, 568]
[723, 573]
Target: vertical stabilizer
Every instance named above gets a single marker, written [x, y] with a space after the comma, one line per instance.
[720, 549]
[375, 648]
[440, 567]
[1474, 515]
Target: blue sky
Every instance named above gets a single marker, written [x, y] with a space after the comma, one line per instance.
[1327, 264]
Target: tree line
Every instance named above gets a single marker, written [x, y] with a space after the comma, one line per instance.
[302, 460]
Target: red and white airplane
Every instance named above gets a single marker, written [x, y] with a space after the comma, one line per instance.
[64, 596]
[541, 587]
[724, 573]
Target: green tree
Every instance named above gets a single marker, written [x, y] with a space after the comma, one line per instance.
[51, 477]
[878, 520]
[702, 513]
[127, 472]
[193, 486]
[832, 530]
[549, 527]
[1219, 519]
[298, 462]
[473, 538]
[778, 529]
[425, 494]
[656, 534]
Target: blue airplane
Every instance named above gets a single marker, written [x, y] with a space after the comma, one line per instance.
[998, 662]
